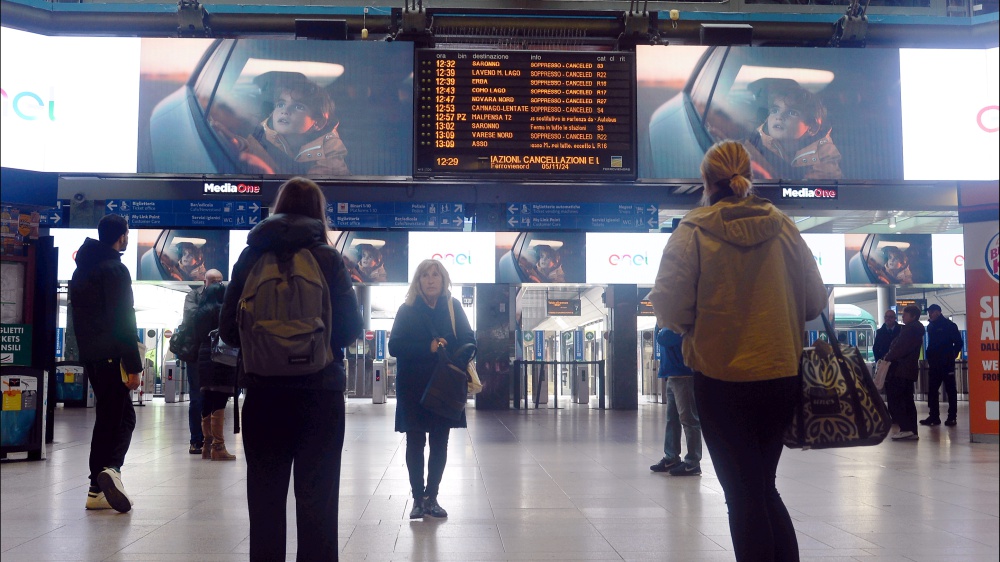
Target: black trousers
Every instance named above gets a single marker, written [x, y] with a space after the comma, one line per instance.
[436, 460]
[743, 423]
[195, 406]
[212, 400]
[115, 416]
[901, 406]
[300, 430]
[935, 378]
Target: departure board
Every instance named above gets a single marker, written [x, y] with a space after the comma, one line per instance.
[544, 115]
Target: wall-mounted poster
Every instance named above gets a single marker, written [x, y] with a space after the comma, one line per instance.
[889, 259]
[373, 257]
[804, 114]
[541, 257]
[254, 106]
[182, 254]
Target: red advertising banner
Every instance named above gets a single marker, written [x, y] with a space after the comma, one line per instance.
[982, 298]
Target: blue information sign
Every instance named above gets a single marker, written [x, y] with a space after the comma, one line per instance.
[51, 216]
[578, 345]
[539, 345]
[186, 213]
[59, 341]
[584, 216]
[379, 345]
[436, 215]
[813, 336]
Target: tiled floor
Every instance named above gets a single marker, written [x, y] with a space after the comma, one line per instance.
[536, 485]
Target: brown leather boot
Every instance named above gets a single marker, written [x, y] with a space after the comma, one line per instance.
[219, 452]
[206, 430]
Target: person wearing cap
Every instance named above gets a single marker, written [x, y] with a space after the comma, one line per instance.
[944, 343]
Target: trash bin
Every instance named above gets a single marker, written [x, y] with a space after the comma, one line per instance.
[378, 382]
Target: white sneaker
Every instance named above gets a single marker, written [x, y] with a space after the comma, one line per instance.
[96, 500]
[110, 482]
[905, 436]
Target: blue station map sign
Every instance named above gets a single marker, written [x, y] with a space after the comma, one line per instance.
[435, 215]
[614, 217]
[187, 213]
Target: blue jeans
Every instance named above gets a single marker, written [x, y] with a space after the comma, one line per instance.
[682, 412]
[194, 407]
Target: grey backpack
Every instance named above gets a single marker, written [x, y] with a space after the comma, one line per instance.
[284, 316]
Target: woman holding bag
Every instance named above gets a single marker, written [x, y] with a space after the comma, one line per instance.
[423, 324]
[217, 381]
[738, 281]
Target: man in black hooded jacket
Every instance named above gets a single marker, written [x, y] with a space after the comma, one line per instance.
[104, 321]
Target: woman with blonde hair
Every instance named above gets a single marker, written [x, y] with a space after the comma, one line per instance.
[429, 318]
[737, 280]
[295, 422]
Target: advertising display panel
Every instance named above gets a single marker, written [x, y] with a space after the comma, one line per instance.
[69, 240]
[61, 111]
[468, 256]
[257, 106]
[373, 257]
[541, 257]
[949, 259]
[889, 259]
[804, 114]
[828, 251]
[181, 254]
[982, 270]
[624, 257]
[951, 116]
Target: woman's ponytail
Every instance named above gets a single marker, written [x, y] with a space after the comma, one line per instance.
[727, 167]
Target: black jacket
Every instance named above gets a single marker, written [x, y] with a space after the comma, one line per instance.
[212, 375]
[103, 307]
[883, 339]
[904, 353]
[410, 343]
[285, 235]
[944, 343]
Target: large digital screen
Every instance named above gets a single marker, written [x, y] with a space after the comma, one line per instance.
[951, 117]
[254, 106]
[70, 104]
[468, 256]
[624, 257]
[545, 114]
[541, 257]
[803, 114]
[69, 240]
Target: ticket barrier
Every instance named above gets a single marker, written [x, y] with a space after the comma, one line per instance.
[378, 382]
[582, 395]
[539, 389]
[173, 381]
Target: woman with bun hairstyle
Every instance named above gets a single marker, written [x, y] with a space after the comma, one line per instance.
[737, 280]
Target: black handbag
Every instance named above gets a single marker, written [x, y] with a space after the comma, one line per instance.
[222, 352]
[447, 390]
[839, 404]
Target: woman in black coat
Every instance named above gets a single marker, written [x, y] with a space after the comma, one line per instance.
[429, 318]
[217, 381]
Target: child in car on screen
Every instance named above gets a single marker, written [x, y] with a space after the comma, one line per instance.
[794, 140]
[297, 137]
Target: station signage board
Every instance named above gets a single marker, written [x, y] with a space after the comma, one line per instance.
[609, 217]
[562, 307]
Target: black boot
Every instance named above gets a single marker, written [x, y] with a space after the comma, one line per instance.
[418, 508]
[432, 509]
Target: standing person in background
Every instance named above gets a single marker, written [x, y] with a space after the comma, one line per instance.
[904, 354]
[944, 343]
[218, 381]
[681, 410]
[212, 276]
[738, 282]
[104, 320]
[884, 336]
[423, 324]
[295, 421]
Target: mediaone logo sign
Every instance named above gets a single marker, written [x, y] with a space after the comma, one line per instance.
[28, 105]
[809, 193]
[240, 188]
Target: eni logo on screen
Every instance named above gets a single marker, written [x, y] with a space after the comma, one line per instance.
[628, 259]
[988, 117]
[456, 259]
[29, 106]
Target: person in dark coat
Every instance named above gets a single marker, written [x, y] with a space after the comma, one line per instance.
[423, 324]
[295, 422]
[218, 381]
[886, 334]
[100, 294]
[904, 354]
[944, 343]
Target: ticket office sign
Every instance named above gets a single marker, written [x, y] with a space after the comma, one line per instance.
[547, 114]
